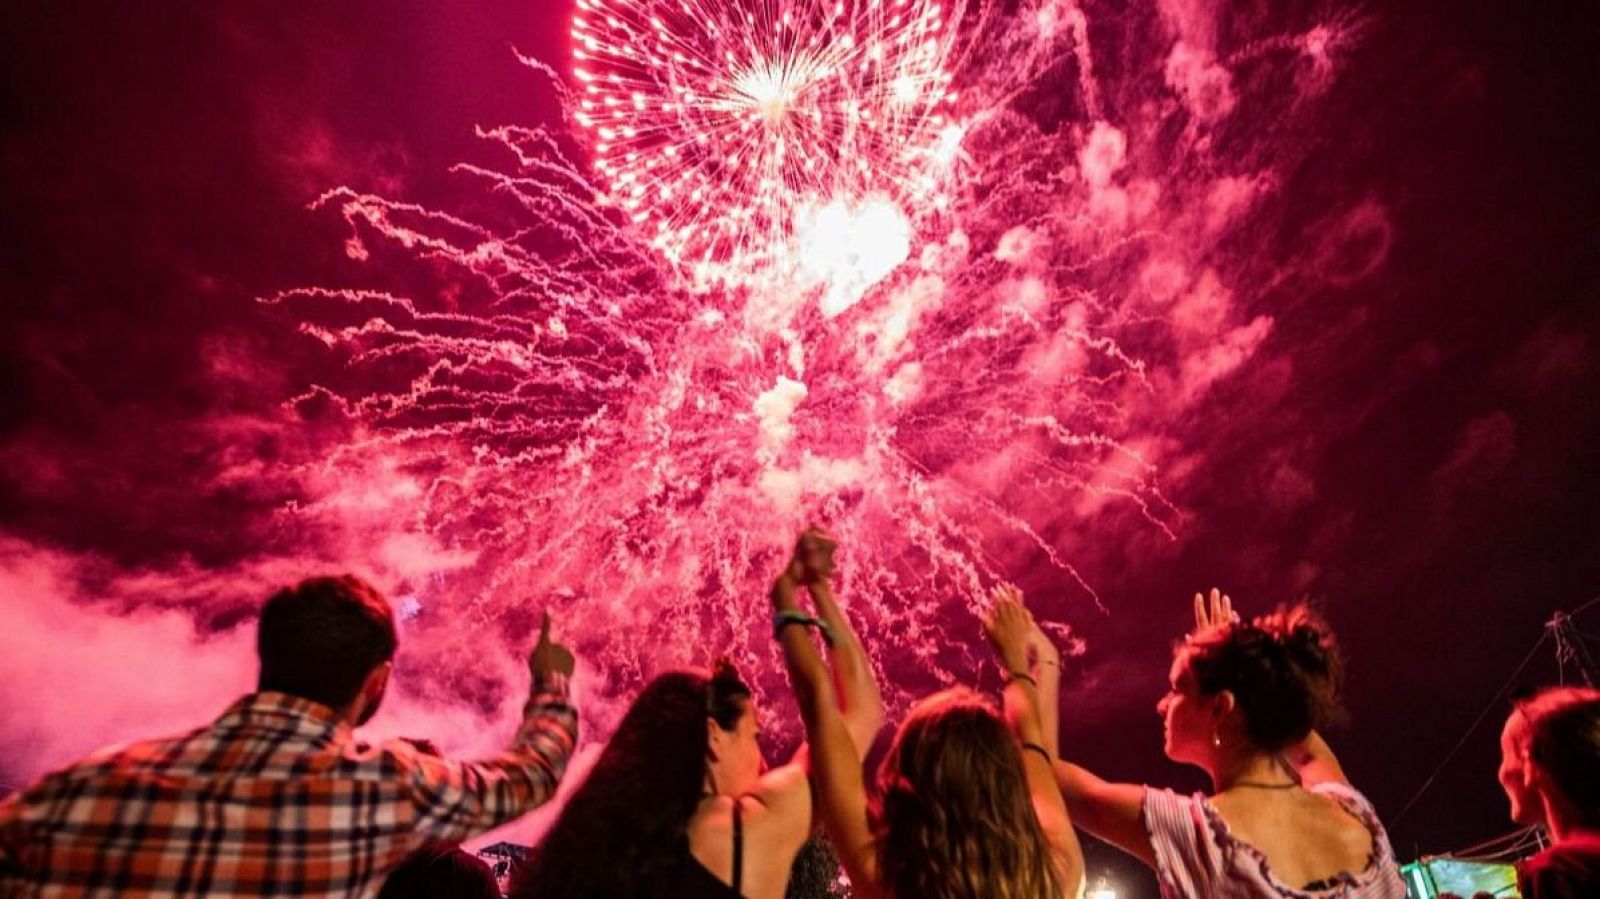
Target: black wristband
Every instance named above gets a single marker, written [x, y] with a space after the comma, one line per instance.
[785, 617]
[1022, 676]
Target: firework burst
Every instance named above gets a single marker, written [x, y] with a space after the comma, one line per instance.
[732, 133]
[971, 392]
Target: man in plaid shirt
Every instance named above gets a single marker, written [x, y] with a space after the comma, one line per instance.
[276, 797]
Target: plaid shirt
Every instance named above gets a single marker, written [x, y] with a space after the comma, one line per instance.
[274, 798]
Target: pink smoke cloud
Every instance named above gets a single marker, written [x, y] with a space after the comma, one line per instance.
[76, 673]
[1482, 451]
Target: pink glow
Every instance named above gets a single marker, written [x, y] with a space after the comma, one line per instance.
[959, 333]
[631, 429]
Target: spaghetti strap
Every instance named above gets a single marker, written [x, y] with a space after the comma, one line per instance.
[738, 846]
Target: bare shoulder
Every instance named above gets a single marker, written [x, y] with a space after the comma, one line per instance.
[1348, 824]
[782, 784]
[774, 821]
[779, 806]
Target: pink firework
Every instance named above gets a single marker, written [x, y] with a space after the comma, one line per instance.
[721, 127]
[992, 389]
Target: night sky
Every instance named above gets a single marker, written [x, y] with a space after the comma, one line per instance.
[1416, 450]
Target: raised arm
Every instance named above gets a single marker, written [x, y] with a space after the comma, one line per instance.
[1113, 812]
[1045, 666]
[1010, 629]
[835, 763]
[454, 800]
[1313, 760]
[860, 702]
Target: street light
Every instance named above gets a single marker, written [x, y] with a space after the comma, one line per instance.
[1101, 890]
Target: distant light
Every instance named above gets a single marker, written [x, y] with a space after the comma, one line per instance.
[410, 607]
[1101, 890]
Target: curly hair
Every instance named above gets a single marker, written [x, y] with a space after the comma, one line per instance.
[1283, 670]
[955, 817]
[624, 831]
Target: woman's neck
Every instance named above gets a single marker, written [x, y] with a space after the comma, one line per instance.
[1258, 769]
[723, 783]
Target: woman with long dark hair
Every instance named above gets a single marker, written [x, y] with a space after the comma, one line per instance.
[1244, 704]
[679, 803]
[969, 808]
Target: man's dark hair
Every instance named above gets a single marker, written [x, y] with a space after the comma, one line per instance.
[321, 638]
[1564, 740]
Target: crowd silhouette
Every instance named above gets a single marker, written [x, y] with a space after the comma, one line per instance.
[974, 797]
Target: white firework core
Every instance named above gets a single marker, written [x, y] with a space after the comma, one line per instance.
[716, 125]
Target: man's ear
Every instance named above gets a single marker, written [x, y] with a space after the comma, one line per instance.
[378, 681]
[371, 694]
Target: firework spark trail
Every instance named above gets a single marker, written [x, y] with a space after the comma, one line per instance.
[634, 449]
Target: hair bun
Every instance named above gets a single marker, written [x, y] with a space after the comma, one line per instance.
[1309, 647]
[1283, 669]
[724, 669]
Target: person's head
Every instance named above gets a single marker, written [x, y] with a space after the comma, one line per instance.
[625, 826]
[1550, 757]
[954, 815]
[1242, 688]
[733, 732]
[329, 640]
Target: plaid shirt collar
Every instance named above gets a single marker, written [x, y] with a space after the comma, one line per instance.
[281, 711]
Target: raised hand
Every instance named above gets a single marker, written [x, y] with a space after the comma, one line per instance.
[813, 556]
[1009, 627]
[548, 656]
[1213, 611]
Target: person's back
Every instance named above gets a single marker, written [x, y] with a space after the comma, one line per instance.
[747, 846]
[276, 797]
[1243, 703]
[1306, 836]
[199, 814]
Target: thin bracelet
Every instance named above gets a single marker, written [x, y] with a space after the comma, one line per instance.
[785, 617]
[1023, 676]
[1035, 747]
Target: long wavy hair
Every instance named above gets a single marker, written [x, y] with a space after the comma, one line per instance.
[955, 819]
[624, 831]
